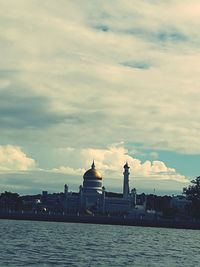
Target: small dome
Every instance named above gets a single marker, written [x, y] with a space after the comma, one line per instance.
[92, 174]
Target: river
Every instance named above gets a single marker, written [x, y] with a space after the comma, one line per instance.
[32, 243]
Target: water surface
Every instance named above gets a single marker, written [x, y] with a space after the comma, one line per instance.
[29, 243]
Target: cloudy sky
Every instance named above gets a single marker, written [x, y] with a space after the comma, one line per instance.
[112, 81]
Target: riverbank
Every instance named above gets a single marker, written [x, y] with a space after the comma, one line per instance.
[100, 219]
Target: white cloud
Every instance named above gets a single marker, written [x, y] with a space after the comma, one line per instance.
[68, 170]
[13, 159]
[20, 172]
[110, 162]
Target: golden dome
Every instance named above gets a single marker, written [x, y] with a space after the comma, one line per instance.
[92, 174]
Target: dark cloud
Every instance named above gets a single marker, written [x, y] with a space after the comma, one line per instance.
[137, 65]
[102, 28]
[18, 110]
[165, 36]
[173, 36]
[160, 35]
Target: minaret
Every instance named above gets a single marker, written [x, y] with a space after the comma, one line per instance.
[66, 189]
[103, 196]
[93, 165]
[66, 197]
[126, 181]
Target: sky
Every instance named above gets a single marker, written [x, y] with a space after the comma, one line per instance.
[114, 81]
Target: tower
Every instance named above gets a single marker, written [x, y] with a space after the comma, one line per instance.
[66, 197]
[65, 189]
[126, 181]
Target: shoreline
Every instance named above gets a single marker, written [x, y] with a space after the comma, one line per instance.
[101, 219]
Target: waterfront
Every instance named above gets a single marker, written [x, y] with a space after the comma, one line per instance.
[32, 243]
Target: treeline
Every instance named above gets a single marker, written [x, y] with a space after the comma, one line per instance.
[192, 192]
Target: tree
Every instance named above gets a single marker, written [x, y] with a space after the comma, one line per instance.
[192, 192]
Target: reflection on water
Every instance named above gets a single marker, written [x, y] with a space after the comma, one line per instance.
[25, 243]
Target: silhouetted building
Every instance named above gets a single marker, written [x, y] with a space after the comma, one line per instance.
[93, 198]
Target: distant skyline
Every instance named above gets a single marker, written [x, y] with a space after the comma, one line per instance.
[112, 81]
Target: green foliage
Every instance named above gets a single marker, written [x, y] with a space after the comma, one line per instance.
[193, 193]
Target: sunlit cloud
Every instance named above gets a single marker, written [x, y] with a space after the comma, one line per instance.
[13, 159]
[110, 162]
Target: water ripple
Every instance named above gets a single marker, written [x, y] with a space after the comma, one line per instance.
[25, 243]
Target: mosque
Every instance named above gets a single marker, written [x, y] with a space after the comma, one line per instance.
[93, 198]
